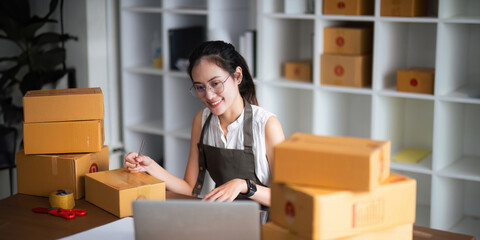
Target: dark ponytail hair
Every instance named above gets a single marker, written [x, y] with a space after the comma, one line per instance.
[225, 56]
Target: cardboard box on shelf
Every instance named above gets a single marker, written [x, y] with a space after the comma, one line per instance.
[115, 190]
[63, 105]
[299, 70]
[42, 174]
[347, 40]
[346, 70]
[336, 162]
[416, 80]
[403, 8]
[271, 231]
[63, 137]
[325, 213]
[348, 7]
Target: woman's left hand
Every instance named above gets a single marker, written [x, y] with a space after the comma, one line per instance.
[228, 191]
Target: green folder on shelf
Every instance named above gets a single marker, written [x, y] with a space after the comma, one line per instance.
[411, 155]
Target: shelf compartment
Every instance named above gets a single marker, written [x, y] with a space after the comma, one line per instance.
[176, 157]
[343, 114]
[405, 122]
[145, 70]
[141, 97]
[424, 196]
[141, 4]
[186, 4]
[455, 207]
[178, 97]
[400, 45]
[293, 107]
[278, 7]
[459, 10]
[285, 40]
[424, 166]
[137, 41]
[457, 140]
[458, 58]
[153, 146]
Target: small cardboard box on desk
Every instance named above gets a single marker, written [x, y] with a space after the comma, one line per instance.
[63, 121]
[115, 190]
[42, 174]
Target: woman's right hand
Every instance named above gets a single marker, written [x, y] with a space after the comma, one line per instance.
[136, 163]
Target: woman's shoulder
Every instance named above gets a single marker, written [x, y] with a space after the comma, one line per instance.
[261, 114]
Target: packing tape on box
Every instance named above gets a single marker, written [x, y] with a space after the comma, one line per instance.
[62, 199]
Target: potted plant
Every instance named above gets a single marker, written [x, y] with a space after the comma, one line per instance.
[40, 59]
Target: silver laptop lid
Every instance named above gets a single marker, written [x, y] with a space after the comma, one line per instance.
[193, 219]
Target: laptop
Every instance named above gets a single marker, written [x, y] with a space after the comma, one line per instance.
[194, 219]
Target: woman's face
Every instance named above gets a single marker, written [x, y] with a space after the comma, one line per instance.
[208, 76]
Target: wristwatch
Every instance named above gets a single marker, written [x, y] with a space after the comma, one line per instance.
[252, 188]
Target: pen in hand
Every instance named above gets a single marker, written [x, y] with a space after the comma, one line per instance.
[140, 151]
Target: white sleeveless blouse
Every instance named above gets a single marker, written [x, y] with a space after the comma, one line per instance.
[214, 136]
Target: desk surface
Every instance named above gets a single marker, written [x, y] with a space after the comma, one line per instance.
[17, 221]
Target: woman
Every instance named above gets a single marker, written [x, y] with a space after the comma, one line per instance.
[230, 138]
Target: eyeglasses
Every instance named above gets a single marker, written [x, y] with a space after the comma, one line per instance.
[199, 90]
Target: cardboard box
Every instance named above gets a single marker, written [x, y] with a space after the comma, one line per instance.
[299, 70]
[115, 190]
[323, 213]
[423, 233]
[63, 137]
[416, 80]
[346, 70]
[271, 231]
[63, 105]
[337, 162]
[403, 8]
[347, 40]
[348, 7]
[42, 174]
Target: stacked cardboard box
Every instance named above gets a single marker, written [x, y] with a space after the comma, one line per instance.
[347, 57]
[338, 188]
[63, 140]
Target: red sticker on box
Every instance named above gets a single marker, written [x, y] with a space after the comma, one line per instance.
[413, 82]
[289, 209]
[339, 70]
[93, 168]
[340, 41]
[296, 71]
[341, 5]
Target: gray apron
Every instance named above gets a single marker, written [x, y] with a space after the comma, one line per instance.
[224, 164]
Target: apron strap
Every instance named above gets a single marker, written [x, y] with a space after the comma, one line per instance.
[202, 165]
[247, 127]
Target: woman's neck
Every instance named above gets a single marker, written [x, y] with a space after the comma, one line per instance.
[232, 114]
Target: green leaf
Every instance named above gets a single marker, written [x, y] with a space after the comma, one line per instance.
[48, 60]
[46, 38]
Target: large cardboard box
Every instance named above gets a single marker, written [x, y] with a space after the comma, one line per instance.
[416, 80]
[63, 105]
[337, 162]
[115, 190]
[348, 7]
[346, 70]
[347, 40]
[403, 8]
[63, 137]
[271, 231]
[42, 174]
[325, 213]
[299, 70]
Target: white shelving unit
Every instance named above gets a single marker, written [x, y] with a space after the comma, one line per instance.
[158, 108]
